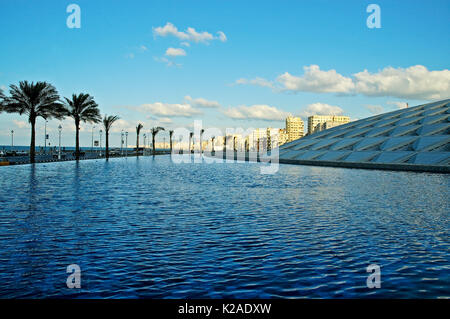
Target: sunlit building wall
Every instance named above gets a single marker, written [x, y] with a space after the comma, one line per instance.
[317, 123]
[294, 128]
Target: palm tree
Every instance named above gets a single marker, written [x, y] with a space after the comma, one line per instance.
[224, 143]
[138, 131]
[170, 140]
[190, 141]
[201, 146]
[107, 123]
[212, 143]
[82, 108]
[38, 99]
[2, 98]
[155, 131]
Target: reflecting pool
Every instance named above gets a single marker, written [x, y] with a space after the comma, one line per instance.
[147, 227]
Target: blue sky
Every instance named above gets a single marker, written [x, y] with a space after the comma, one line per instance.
[119, 57]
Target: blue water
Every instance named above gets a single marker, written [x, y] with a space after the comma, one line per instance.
[49, 148]
[146, 227]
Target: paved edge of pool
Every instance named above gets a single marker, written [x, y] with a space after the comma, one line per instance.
[378, 166]
[441, 169]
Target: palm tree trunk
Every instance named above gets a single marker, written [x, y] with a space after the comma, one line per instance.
[77, 140]
[171, 145]
[107, 144]
[137, 145]
[33, 140]
[153, 144]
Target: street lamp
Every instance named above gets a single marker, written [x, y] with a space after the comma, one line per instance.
[145, 146]
[126, 143]
[59, 150]
[121, 143]
[12, 139]
[45, 136]
[92, 146]
[100, 132]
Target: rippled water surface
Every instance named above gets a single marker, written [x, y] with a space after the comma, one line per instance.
[150, 228]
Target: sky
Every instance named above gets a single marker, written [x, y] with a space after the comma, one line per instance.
[227, 63]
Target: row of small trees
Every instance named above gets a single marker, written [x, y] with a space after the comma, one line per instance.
[41, 99]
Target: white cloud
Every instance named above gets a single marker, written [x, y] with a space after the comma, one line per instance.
[20, 124]
[130, 56]
[400, 105]
[316, 80]
[189, 35]
[222, 37]
[168, 110]
[173, 52]
[166, 61]
[256, 81]
[201, 102]
[321, 109]
[415, 82]
[195, 36]
[143, 48]
[124, 125]
[185, 44]
[165, 120]
[375, 109]
[169, 29]
[256, 112]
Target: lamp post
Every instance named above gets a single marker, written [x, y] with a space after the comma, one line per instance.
[12, 139]
[100, 132]
[121, 143]
[45, 136]
[92, 145]
[59, 149]
[145, 146]
[126, 144]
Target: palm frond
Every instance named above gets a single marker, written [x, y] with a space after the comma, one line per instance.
[156, 130]
[34, 99]
[2, 97]
[108, 121]
[139, 128]
[82, 107]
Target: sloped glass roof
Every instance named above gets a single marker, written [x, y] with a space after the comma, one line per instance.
[415, 138]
